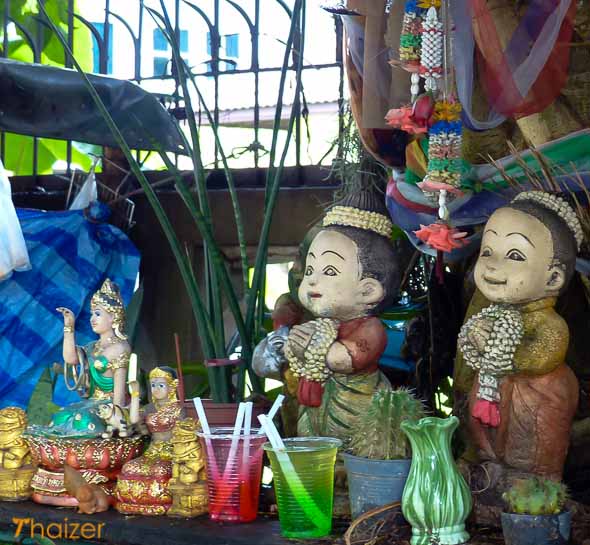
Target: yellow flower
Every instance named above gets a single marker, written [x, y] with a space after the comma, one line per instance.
[429, 4]
[447, 111]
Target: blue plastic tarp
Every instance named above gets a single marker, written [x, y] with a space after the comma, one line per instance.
[71, 254]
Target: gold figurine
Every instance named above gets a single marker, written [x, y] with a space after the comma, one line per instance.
[188, 485]
[16, 470]
[142, 486]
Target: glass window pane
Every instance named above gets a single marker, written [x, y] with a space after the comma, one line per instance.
[184, 41]
[96, 50]
[232, 45]
[160, 41]
[160, 66]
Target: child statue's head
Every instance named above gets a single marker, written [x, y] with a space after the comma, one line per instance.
[528, 250]
[352, 268]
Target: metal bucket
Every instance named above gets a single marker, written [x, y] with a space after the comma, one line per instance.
[536, 529]
[373, 483]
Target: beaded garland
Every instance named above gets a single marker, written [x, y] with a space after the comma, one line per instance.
[431, 52]
[411, 35]
[422, 45]
[497, 358]
[313, 366]
[445, 164]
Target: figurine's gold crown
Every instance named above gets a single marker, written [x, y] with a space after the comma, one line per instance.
[559, 206]
[158, 372]
[348, 216]
[109, 298]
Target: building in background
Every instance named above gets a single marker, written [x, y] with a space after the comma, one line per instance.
[149, 63]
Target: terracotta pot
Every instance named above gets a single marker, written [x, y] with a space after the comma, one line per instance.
[224, 414]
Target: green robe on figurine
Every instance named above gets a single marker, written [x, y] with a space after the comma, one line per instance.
[81, 419]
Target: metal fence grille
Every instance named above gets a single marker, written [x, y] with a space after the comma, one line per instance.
[124, 30]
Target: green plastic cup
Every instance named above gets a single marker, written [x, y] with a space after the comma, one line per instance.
[304, 485]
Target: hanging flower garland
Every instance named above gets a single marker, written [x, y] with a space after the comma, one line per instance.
[445, 163]
[411, 36]
[431, 53]
[422, 52]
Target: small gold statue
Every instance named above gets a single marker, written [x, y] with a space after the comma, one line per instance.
[142, 485]
[16, 470]
[188, 485]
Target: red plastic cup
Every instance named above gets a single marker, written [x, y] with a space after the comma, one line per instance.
[234, 469]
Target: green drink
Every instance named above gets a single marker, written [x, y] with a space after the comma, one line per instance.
[304, 485]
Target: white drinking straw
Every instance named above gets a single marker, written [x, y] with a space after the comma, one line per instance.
[234, 440]
[300, 493]
[246, 448]
[207, 433]
[273, 410]
[201, 414]
[248, 419]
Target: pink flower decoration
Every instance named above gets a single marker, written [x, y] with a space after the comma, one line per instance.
[402, 118]
[396, 117]
[441, 237]
[432, 186]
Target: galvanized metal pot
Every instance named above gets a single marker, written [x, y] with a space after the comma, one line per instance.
[373, 483]
[536, 529]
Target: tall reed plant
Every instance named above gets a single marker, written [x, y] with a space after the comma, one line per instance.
[208, 309]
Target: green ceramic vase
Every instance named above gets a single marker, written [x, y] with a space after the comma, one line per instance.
[436, 499]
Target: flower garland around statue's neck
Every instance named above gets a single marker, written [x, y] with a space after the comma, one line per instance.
[502, 328]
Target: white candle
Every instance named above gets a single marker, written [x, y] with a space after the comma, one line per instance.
[132, 368]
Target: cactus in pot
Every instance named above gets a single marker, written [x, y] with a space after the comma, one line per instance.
[378, 434]
[536, 513]
[378, 458]
[536, 496]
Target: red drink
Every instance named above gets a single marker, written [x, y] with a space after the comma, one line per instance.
[234, 468]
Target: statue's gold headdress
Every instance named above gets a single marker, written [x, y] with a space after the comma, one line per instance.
[159, 372]
[109, 298]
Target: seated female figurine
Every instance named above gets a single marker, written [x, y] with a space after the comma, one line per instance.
[99, 369]
[142, 486]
